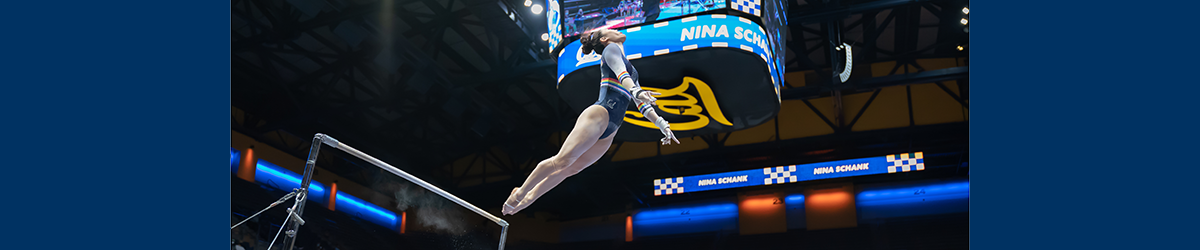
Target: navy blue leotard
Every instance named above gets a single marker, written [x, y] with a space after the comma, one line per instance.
[613, 96]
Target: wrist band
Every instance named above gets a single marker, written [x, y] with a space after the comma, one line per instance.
[645, 107]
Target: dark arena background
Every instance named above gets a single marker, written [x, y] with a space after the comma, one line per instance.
[404, 124]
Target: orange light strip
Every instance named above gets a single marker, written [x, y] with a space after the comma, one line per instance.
[628, 228]
[248, 165]
[766, 203]
[333, 196]
[836, 199]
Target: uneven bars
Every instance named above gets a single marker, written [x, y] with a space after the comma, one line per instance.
[327, 140]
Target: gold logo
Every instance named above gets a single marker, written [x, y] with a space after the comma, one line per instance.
[686, 107]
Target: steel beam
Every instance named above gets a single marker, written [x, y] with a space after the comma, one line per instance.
[808, 92]
[837, 12]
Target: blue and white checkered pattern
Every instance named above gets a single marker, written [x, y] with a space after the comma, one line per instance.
[779, 175]
[554, 24]
[753, 7]
[906, 162]
[668, 186]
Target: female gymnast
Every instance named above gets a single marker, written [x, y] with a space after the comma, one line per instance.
[597, 125]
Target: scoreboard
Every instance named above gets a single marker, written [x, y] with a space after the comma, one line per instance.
[719, 63]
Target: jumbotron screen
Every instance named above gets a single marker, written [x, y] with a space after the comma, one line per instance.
[582, 16]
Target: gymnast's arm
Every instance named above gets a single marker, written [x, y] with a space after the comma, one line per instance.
[614, 58]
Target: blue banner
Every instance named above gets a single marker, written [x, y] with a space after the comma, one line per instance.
[792, 173]
[704, 31]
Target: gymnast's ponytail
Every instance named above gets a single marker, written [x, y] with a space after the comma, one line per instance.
[590, 42]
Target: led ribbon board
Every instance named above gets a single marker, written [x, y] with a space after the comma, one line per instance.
[280, 178]
[689, 33]
[792, 173]
[722, 64]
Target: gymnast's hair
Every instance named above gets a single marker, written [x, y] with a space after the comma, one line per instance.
[591, 42]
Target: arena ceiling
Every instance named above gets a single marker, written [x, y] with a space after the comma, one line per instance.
[421, 83]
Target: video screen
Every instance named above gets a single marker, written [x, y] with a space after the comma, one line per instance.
[582, 16]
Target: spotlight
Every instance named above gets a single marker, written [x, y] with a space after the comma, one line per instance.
[960, 48]
[537, 9]
[963, 21]
[530, 2]
[965, 10]
[546, 37]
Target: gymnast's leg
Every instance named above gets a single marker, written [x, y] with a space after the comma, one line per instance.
[588, 127]
[587, 159]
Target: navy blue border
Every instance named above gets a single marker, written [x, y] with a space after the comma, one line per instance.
[1081, 128]
[1077, 118]
[116, 115]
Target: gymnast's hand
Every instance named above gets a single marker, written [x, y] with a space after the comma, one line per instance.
[669, 137]
[647, 96]
[665, 128]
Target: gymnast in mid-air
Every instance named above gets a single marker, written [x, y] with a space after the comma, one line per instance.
[597, 125]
